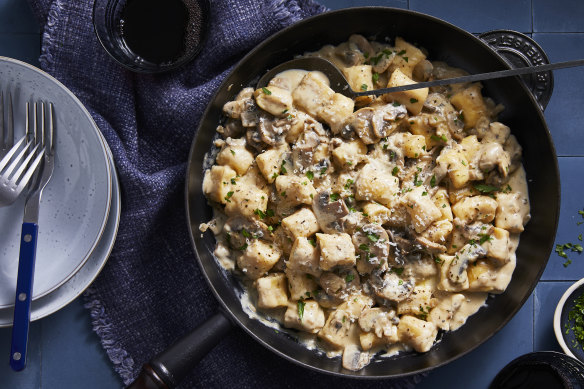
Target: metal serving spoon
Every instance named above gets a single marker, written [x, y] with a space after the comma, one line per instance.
[339, 83]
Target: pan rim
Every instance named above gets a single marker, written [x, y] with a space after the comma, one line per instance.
[504, 65]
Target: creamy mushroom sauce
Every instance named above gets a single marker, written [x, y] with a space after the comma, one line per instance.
[369, 224]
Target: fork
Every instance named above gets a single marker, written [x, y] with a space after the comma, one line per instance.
[16, 171]
[16, 167]
[6, 140]
[28, 240]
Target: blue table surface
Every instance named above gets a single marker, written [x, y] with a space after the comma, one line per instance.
[66, 353]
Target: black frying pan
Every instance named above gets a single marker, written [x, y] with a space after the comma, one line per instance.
[447, 43]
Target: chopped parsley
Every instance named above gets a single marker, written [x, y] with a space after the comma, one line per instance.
[233, 182]
[401, 53]
[283, 194]
[364, 87]
[334, 196]
[413, 101]
[373, 237]
[364, 247]
[375, 77]
[312, 242]
[323, 170]
[396, 104]
[232, 151]
[349, 183]
[310, 175]
[398, 270]
[484, 188]
[576, 322]
[282, 167]
[245, 233]
[485, 238]
[433, 181]
[260, 213]
[350, 277]
[228, 196]
[301, 305]
[416, 181]
[394, 171]
[437, 138]
[242, 248]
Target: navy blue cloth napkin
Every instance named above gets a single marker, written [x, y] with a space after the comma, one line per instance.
[151, 291]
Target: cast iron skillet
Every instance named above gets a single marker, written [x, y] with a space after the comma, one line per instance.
[447, 43]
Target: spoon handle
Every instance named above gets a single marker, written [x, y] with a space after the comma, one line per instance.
[475, 77]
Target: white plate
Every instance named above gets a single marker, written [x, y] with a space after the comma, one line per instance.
[73, 287]
[76, 202]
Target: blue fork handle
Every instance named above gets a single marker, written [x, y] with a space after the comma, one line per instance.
[26, 260]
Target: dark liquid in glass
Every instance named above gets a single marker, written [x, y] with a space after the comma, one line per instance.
[160, 31]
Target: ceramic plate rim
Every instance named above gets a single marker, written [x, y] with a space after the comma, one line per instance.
[108, 169]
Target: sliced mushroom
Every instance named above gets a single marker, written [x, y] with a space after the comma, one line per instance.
[360, 123]
[325, 300]
[272, 131]
[349, 54]
[243, 102]
[231, 129]
[372, 244]
[240, 229]
[362, 43]
[303, 150]
[340, 285]
[354, 359]
[403, 245]
[354, 220]
[254, 139]
[473, 230]
[329, 213]
[338, 329]
[249, 118]
[429, 246]
[382, 61]
[385, 119]
[380, 321]
[493, 155]
[468, 254]
[391, 287]
[438, 104]
[423, 70]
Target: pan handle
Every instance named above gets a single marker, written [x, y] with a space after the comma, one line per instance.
[169, 368]
[519, 50]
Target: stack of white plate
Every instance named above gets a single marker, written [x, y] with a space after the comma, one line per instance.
[80, 207]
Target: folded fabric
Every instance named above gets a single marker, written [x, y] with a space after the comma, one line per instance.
[152, 291]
